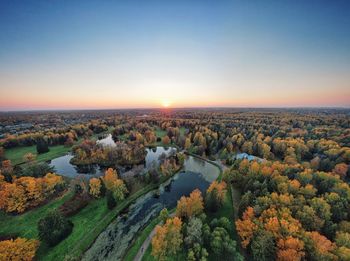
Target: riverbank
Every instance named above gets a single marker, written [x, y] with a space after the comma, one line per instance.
[135, 253]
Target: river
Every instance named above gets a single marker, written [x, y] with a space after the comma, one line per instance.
[113, 242]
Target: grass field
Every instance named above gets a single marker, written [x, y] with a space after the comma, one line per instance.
[25, 225]
[16, 154]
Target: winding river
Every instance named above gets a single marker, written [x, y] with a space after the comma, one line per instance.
[113, 242]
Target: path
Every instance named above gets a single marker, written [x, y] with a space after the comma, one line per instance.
[147, 242]
[145, 246]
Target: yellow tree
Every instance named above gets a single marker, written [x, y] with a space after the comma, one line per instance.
[167, 239]
[18, 249]
[95, 187]
[190, 206]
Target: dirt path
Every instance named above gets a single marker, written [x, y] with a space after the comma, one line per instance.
[148, 241]
[144, 246]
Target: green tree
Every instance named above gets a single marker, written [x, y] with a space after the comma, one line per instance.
[54, 227]
[263, 246]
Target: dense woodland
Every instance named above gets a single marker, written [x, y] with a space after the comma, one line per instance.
[294, 199]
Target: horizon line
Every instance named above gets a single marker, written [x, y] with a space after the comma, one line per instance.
[174, 108]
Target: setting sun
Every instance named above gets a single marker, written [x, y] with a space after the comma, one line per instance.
[166, 103]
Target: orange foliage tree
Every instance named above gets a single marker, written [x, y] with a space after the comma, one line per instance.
[95, 187]
[190, 206]
[27, 192]
[290, 249]
[167, 239]
[246, 227]
[18, 249]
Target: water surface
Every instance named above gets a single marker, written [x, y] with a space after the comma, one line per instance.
[113, 242]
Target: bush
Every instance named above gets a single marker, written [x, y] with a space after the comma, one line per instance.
[54, 228]
[111, 203]
[74, 204]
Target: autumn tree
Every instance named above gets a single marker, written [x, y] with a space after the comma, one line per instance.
[18, 249]
[341, 169]
[166, 140]
[290, 249]
[319, 247]
[187, 143]
[167, 239]
[246, 227]
[190, 206]
[95, 187]
[114, 184]
[215, 196]
[29, 157]
[27, 192]
[7, 170]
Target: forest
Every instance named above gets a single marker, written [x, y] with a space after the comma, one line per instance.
[281, 193]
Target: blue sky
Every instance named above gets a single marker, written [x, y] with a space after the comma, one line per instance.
[114, 54]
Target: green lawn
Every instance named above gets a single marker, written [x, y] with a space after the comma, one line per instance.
[160, 133]
[16, 154]
[25, 225]
[84, 222]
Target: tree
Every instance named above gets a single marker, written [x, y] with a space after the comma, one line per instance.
[27, 192]
[222, 245]
[29, 157]
[246, 227]
[164, 215]
[194, 232]
[54, 227]
[166, 140]
[319, 247]
[18, 249]
[187, 143]
[111, 203]
[215, 196]
[42, 145]
[95, 187]
[2, 153]
[7, 170]
[341, 169]
[290, 249]
[114, 184]
[167, 239]
[263, 246]
[190, 206]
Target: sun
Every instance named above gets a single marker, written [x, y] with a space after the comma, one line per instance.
[166, 103]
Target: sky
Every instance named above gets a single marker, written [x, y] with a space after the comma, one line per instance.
[148, 54]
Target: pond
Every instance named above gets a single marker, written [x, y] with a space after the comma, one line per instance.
[113, 242]
[154, 154]
[63, 166]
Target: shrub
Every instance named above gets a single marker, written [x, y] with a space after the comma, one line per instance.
[42, 146]
[74, 204]
[54, 228]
